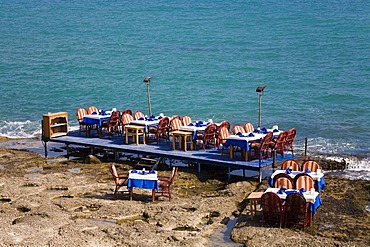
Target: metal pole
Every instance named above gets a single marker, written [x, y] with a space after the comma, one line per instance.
[149, 105]
[259, 109]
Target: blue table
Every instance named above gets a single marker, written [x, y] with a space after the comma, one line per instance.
[318, 178]
[95, 119]
[143, 180]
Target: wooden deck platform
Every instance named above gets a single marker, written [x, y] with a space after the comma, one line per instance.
[164, 150]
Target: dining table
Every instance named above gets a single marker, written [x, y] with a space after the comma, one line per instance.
[95, 119]
[144, 180]
[312, 197]
[243, 140]
[318, 177]
[146, 122]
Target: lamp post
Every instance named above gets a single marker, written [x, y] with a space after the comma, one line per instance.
[259, 91]
[147, 82]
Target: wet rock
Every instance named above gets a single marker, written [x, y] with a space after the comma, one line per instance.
[91, 159]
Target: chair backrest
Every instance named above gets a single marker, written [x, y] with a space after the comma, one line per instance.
[296, 210]
[173, 175]
[224, 124]
[283, 180]
[311, 165]
[290, 137]
[163, 125]
[223, 133]
[237, 128]
[290, 163]
[266, 141]
[92, 109]
[304, 181]
[175, 117]
[114, 118]
[280, 140]
[127, 111]
[210, 132]
[248, 127]
[175, 124]
[138, 115]
[272, 207]
[126, 119]
[186, 120]
[80, 113]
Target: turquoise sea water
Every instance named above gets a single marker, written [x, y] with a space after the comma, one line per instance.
[206, 59]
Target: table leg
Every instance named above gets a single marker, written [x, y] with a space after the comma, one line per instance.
[131, 192]
[231, 149]
[126, 133]
[153, 195]
[185, 146]
[144, 137]
[137, 137]
[191, 142]
[173, 142]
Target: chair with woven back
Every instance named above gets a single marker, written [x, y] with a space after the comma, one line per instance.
[165, 183]
[304, 181]
[278, 144]
[112, 125]
[296, 210]
[162, 130]
[208, 137]
[248, 127]
[290, 164]
[272, 208]
[283, 180]
[237, 128]
[310, 165]
[186, 120]
[261, 149]
[92, 110]
[119, 181]
[80, 113]
[139, 115]
[289, 140]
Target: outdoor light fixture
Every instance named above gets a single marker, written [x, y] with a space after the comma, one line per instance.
[147, 82]
[259, 91]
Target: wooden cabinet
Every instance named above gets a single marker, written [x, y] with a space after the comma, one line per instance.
[54, 124]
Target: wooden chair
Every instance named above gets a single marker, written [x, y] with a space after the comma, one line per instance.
[125, 120]
[283, 180]
[112, 125]
[175, 124]
[80, 113]
[311, 165]
[208, 137]
[237, 128]
[278, 144]
[272, 208]
[223, 133]
[224, 124]
[248, 127]
[138, 115]
[304, 181]
[165, 183]
[119, 181]
[175, 117]
[290, 164]
[296, 210]
[261, 149]
[162, 130]
[92, 109]
[289, 140]
[186, 120]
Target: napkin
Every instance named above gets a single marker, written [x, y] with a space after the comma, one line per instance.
[255, 130]
[288, 171]
[307, 170]
[263, 130]
[133, 171]
[240, 134]
[281, 190]
[94, 113]
[190, 124]
[290, 192]
[152, 171]
[141, 118]
[160, 117]
[200, 124]
[275, 130]
[251, 135]
[301, 191]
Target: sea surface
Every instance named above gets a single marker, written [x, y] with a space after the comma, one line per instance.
[206, 59]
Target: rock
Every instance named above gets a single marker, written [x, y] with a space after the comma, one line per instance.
[91, 159]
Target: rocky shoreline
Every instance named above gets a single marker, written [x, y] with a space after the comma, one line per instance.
[47, 202]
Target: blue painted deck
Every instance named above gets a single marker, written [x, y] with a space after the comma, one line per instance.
[164, 149]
